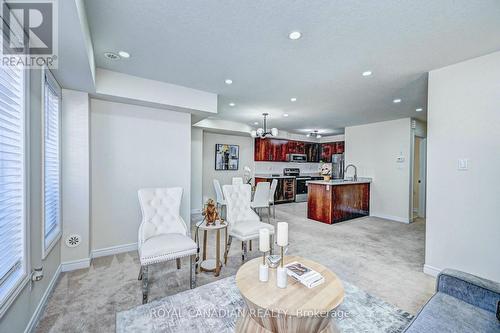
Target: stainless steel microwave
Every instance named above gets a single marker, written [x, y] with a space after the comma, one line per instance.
[296, 157]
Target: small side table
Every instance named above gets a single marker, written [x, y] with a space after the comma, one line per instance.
[211, 265]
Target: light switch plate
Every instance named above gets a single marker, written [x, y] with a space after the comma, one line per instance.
[463, 164]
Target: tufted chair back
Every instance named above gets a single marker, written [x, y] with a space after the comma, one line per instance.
[160, 212]
[238, 203]
[218, 191]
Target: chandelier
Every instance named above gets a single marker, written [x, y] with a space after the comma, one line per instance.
[262, 132]
[314, 134]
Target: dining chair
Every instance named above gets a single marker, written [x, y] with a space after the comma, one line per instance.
[237, 181]
[261, 199]
[272, 192]
[221, 203]
[243, 223]
[163, 235]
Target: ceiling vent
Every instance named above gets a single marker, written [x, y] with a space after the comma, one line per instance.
[111, 56]
[73, 240]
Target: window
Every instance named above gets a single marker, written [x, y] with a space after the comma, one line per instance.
[13, 204]
[51, 162]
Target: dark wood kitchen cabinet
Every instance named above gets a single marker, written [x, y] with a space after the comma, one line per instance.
[296, 147]
[332, 203]
[327, 149]
[330, 148]
[339, 147]
[270, 150]
[312, 150]
[275, 150]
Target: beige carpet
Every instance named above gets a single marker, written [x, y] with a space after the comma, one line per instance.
[382, 257]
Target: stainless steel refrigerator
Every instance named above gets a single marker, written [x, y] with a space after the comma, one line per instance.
[338, 166]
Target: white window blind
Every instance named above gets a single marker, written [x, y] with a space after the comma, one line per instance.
[51, 161]
[12, 180]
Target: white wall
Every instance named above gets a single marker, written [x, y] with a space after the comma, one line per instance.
[196, 169]
[75, 172]
[224, 177]
[135, 89]
[374, 149]
[463, 227]
[134, 147]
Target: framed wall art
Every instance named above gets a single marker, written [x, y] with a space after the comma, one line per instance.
[227, 157]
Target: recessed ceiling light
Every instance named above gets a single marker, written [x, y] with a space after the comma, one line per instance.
[397, 100]
[111, 56]
[232, 104]
[256, 123]
[285, 115]
[419, 109]
[367, 73]
[124, 54]
[293, 99]
[294, 35]
[229, 81]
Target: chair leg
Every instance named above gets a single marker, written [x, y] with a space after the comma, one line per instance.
[145, 286]
[271, 244]
[274, 211]
[269, 214]
[230, 240]
[178, 260]
[192, 271]
[244, 252]
[250, 245]
[140, 274]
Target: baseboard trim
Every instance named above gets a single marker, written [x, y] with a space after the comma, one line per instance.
[391, 217]
[431, 270]
[75, 264]
[108, 251]
[43, 301]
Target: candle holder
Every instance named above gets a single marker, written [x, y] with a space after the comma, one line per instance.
[263, 269]
[281, 275]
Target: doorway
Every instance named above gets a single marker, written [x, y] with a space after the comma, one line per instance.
[419, 177]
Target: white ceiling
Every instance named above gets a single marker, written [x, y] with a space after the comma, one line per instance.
[199, 44]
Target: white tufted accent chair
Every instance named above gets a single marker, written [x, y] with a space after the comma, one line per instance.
[163, 234]
[243, 223]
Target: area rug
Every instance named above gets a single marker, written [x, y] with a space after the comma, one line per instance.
[216, 307]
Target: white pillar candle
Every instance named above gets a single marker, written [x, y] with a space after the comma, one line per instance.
[264, 240]
[282, 238]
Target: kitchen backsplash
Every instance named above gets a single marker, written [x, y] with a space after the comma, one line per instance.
[277, 167]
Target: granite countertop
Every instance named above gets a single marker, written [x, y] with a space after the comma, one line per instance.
[341, 182]
[270, 176]
[281, 176]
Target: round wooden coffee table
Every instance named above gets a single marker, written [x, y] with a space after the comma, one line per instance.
[295, 308]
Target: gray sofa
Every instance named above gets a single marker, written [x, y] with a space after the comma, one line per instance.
[462, 303]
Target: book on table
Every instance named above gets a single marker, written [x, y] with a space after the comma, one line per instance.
[305, 275]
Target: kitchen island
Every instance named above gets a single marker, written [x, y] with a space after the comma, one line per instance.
[338, 200]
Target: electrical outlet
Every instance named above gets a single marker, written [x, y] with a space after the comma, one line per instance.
[463, 164]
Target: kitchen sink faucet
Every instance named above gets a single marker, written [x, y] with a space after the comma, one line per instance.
[355, 178]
